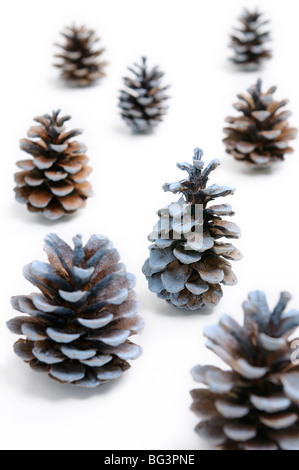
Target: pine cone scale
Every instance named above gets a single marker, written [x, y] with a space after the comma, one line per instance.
[249, 41]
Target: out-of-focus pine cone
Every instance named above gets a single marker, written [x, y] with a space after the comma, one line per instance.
[54, 181]
[260, 135]
[77, 328]
[142, 102]
[188, 262]
[79, 59]
[254, 405]
[249, 42]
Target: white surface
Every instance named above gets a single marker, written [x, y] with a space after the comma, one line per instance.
[148, 407]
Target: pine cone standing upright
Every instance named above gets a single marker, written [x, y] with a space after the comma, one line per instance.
[54, 182]
[255, 404]
[79, 60]
[142, 102]
[249, 41]
[77, 328]
[260, 135]
[187, 266]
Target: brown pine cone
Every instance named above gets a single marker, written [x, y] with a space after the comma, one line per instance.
[260, 135]
[249, 41]
[77, 328]
[254, 405]
[54, 181]
[186, 266]
[79, 59]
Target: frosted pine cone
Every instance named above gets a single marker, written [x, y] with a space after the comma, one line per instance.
[54, 181]
[188, 262]
[249, 42]
[255, 404]
[79, 59]
[77, 328]
[260, 135]
[142, 102]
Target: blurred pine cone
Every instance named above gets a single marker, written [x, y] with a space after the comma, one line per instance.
[249, 41]
[187, 262]
[79, 60]
[260, 135]
[77, 328]
[54, 182]
[142, 102]
[255, 404]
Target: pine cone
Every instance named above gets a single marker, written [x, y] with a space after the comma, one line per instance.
[187, 262]
[78, 326]
[255, 404]
[260, 135]
[249, 41]
[142, 102]
[54, 182]
[79, 59]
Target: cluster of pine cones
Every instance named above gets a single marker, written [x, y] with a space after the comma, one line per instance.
[188, 261]
[78, 327]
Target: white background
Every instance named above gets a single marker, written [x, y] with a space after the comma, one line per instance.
[149, 407]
